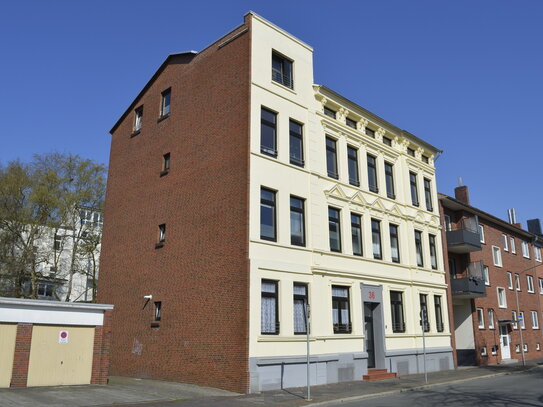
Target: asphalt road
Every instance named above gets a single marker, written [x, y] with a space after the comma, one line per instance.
[521, 389]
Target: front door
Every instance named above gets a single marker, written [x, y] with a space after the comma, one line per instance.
[504, 342]
[369, 333]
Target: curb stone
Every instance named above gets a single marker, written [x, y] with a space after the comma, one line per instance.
[416, 388]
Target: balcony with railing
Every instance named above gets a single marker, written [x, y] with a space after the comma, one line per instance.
[465, 238]
[471, 284]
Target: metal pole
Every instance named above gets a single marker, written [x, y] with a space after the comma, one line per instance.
[307, 343]
[423, 314]
[518, 323]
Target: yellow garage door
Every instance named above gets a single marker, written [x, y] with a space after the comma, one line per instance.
[60, 355]
[8, 333]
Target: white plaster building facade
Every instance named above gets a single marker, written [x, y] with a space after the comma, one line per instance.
[368, 255]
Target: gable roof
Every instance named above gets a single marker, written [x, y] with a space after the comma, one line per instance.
[178, 57]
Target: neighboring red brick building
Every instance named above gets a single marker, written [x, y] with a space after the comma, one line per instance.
[489, 263]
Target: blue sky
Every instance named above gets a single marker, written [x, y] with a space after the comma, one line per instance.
[466, 76]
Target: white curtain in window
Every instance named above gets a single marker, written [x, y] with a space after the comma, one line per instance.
[339, 292]
[268, 317]
[299, 316]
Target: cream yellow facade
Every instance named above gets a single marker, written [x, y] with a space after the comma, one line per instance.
[278, 359]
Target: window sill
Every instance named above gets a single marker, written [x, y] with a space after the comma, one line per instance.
[159, 245]
[155, 324]
[135, 133]
[287, 88]
[161, 118]
[165, 172]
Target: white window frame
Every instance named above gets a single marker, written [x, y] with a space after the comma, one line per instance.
[537, 254]
[530, 283]
[512, 245]
[515, 323]
[537, 346]
[540, 281]
[509, 280]
[517, 282]
[523, 322]
[500, 303]
[448, 225]
[497, 256]
[481, 233]
[517, 348]
[486, 276]
[483, 351]
[525, 249]
[494, 350]
[491, 318]
[505, 247]
[535, 320]
[525, 347]
[480, 318]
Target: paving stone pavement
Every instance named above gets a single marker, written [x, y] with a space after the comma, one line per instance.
[123, 391]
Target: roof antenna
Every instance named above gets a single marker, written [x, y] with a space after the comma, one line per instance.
[459, 181]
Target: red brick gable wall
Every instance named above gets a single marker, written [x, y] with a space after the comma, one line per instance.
[201, 274]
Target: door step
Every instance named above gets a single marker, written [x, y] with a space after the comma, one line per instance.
[378, 374]
[508, 361]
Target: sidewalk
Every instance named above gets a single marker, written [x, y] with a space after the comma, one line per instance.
[126, 392]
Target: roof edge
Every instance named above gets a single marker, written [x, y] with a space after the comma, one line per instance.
[377, 118]
[55, 304]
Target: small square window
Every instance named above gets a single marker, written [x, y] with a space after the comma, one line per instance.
[165, 164]
[350, 122]
[329, 112]
[162, 233]
[425, 159]
[387, 141]
[138, 118]
[370, 132]
[165, 103]
[158, 311]
[410, 152]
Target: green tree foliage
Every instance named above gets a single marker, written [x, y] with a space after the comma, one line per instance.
[38, 201]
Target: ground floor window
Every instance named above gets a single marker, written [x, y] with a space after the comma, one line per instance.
[396, 306]
[340, 309]
[269, 318]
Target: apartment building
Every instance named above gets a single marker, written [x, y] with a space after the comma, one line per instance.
[240, 194]
[496, 284]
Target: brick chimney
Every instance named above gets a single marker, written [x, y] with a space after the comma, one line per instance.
[461, 194]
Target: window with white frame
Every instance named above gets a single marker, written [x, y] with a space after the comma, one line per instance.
[517, 282]
[525, 249]
[535, 320]
[530, 283]
[448, 226]
[505, 246]
[494, 350]
[512, 245]
[480, 318]
[537, 347]
[517, 348]
[525, 347]
[482, 233]
[502, 300]
[540, 281]
[497, 256]
[490, 318]
[485, 275]
[509, 280]
[537, 254]
[483, 351]
[514, 318]
[521, 320]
